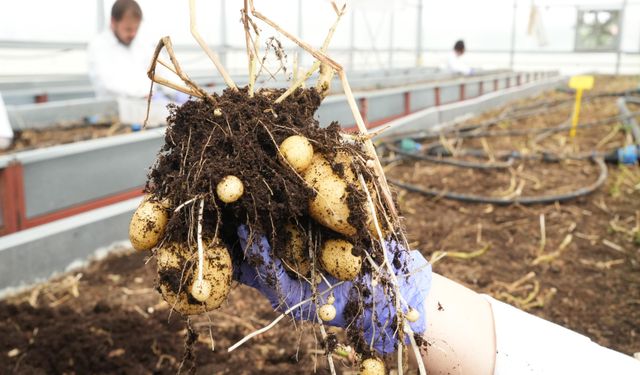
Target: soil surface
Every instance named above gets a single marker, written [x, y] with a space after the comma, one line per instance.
[39, 138]
[585, 274]
[108, 319]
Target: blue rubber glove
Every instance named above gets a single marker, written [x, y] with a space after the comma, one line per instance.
[265, 273]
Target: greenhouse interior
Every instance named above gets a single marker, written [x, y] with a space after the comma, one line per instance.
[320, 187]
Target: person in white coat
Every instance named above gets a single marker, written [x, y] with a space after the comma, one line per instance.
[455, 62]
[118, 61]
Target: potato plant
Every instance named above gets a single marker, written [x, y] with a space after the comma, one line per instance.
[258, 157]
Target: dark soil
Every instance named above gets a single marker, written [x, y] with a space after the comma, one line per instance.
[201, 148]
[111, 322]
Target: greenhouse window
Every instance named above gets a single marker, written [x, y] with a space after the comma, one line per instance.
[598, 30]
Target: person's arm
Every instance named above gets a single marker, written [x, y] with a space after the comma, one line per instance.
[474, 334]
[460, 330]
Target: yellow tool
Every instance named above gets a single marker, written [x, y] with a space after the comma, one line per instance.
[578, 83]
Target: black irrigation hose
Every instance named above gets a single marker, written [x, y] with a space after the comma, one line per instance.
[454, 162]
[541, 199]
[467, 132]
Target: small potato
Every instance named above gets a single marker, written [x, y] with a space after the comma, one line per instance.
[230, 189]
[295, 260]
[327, 313]
[198, 297]
[297, 151]
[148, 224]
[372, 366]
[412, 315]
[336, 258]
[201, 290]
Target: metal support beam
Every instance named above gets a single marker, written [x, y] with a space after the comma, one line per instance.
[300, 32]
[512, 49]
[620, 34]
[223, 32]
[391, 26]
[419, 35]
[352, 40]
[100, 15]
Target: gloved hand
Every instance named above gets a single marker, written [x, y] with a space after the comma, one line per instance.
[262, 271]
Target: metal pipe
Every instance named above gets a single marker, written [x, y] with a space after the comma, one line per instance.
[391, 26]
[419, 35]
[619, 53]
[512, 51]
[352, 40]
[223, 32]
[300, 33]
[100, 14]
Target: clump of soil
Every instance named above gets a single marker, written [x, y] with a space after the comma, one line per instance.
[239, 135]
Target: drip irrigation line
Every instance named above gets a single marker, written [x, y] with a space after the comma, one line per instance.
[630, 122]
[540, 199]
[454, 162]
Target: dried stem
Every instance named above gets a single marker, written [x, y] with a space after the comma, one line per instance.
[250, 55]
[184, 204]
[543, 235]
[166, 65]
[326, 72]
[200, 247]
[192, 89]
[399, 298]
[279, 318]
[323, 332]
[299, 82]
[325, 79]
[212, 55]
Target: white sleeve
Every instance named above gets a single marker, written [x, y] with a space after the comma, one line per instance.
[526, 344]
[108, 79]
[456, 65]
